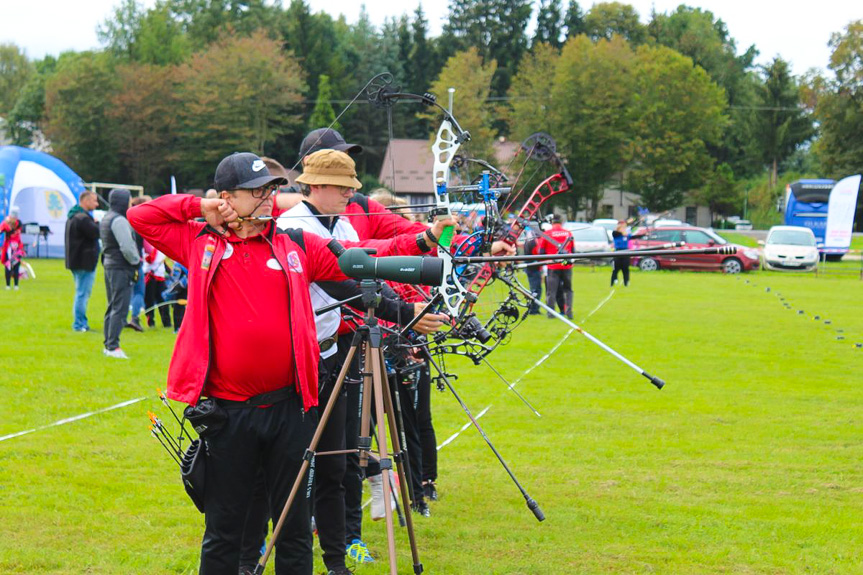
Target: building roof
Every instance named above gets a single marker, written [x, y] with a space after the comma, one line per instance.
[413, 162]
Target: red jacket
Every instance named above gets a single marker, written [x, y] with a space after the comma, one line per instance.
[167, 223]
[564, 245]
[12, 245]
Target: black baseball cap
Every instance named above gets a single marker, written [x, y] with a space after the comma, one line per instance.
[327, 139]
[244, 171]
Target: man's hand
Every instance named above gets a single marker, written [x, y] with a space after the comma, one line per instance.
[438, 227]
[501, 248]
[430, 322]
[219, 214]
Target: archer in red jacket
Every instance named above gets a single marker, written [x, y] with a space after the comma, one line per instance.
[248, 343]
[558, 240]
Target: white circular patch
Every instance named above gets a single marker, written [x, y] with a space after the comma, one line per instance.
[229, 251]
[273, 264]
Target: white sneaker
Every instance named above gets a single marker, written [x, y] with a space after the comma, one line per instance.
[115, 353]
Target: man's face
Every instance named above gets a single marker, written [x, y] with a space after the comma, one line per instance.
[248, 203]
[89, 202]
[329, 199]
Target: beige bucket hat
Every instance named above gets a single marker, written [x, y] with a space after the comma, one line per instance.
[330, 168]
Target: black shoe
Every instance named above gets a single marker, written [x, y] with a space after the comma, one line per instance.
[430, 491]
[422, 508]
[247, 569]
[340, 571]
[135, 325]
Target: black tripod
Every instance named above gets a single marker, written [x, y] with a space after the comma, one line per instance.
[367, 339]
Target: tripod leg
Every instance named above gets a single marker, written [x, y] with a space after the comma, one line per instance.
[401, 460]
[365, 440]
[378, 375]
[307, 458]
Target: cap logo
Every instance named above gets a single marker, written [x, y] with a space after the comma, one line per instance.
[258, 165]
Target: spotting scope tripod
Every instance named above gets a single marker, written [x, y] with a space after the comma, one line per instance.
[367, 341]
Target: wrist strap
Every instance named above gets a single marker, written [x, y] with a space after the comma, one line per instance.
[422, 244]
[431, 235]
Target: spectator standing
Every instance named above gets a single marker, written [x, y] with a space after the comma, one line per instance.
[533, 271]
[155, 271]
[121, 259]
[621, 238]
[13, 249]
[82, 254]
[138, 290]
[558, 240]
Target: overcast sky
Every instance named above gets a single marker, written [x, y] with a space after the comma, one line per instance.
[799, 35]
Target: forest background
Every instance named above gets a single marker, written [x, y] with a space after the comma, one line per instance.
[671, 109]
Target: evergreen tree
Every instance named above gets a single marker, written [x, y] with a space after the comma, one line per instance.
[782, 124]
[496, 28]
[549, 24]
[573, 21]
[323, 115]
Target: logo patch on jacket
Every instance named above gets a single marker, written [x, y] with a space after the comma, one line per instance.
[207, 259]
[294, 262]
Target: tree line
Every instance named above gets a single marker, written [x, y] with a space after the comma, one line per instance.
[665, 109]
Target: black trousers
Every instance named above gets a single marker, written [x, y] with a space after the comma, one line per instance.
[153, 295]
[426, 428]
[621, 263]
[560, 283]
[12, 273]
[328, 471]
[268, 441]
[404, 392]
[534, 280]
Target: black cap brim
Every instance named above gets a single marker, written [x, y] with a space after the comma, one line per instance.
[349, 149]
[261, 182]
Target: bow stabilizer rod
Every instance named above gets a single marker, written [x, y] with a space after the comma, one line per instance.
[652, 378]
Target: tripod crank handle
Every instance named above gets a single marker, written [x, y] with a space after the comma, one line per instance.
[654, 380]
[534, 506]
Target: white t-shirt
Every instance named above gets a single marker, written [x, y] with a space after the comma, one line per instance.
[301, 217]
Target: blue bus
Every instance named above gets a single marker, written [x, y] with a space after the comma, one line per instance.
[806, 206]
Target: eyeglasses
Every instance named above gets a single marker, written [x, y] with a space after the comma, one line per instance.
[264, 192]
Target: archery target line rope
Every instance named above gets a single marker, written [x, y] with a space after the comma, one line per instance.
[74, 418]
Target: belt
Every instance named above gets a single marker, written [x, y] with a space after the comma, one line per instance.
[328, 343]
[268, 398]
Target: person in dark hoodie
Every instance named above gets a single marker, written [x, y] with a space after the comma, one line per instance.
[82, 254]
[120, 258]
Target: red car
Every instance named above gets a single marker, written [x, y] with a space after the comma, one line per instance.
[745, 259]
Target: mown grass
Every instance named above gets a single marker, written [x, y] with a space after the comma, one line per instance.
[747, 462]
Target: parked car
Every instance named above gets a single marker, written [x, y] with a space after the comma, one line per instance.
[790, 248]
[743, 225]
[745, 259]
[607, 223]
[591, 239]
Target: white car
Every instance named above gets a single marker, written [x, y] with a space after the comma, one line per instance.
[789, 248]
[591, 239]
[607, 223]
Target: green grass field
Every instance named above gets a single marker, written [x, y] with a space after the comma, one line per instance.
[747, 462]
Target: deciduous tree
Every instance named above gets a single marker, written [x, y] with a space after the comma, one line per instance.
[466, 72]
[676, 113]
[15, 71]
[238, 95]
[607, 19]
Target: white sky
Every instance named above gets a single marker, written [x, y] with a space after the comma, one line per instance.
[797, 31]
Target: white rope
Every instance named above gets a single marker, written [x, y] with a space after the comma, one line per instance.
[74, 418]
